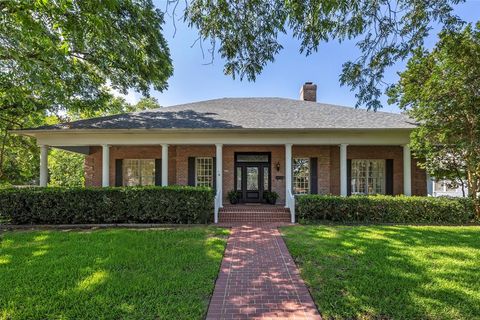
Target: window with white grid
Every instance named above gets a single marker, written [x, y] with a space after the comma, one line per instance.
[138, 172]
[204, 172]
[368, 177]
[301, 175]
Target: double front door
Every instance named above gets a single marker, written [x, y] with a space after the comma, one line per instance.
[252, 178]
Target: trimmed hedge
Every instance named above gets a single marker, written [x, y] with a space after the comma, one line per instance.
[384, 209]
[172, 204]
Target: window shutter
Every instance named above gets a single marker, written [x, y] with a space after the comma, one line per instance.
[158, 172]
[389, 177]
[313, 176]
[349, 177]
[214, 173]
[191, 171]
[118, 172]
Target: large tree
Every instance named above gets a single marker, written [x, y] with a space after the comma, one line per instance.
[246, 33]
[69, 54]
[441, 90]
[66, 56]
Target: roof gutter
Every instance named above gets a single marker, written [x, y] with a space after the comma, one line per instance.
[34, 132]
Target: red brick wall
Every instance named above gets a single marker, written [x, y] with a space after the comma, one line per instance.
[419, 184]
[322, 153]
[277, 155]
[328, 164]
[93, 168]
[93, 162]
[183, 153]
[419, 180]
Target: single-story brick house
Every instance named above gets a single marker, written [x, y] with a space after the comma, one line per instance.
[250, 145]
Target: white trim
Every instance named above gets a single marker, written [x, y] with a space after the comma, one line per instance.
[407, 170]
[430, 185]
[308, 177]
[386, 137]
[219, 182]
[196, 169]
[289, 197]
[343, 170]
[164, 164]
[288, 170]
[105, 165]
[43, 165]
[35, 132]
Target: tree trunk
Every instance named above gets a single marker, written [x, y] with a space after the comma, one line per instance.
[2, 151]
[473, 191]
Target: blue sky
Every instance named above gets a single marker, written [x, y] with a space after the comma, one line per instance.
[194, 79]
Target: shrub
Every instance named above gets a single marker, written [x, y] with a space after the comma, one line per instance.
[384, 209]
[172, 204]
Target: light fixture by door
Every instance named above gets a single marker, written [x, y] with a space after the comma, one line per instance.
[277, 165]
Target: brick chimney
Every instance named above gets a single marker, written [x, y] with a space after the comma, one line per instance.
[308, 92]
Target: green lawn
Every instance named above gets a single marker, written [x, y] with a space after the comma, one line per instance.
[390, 272]
[109, 274]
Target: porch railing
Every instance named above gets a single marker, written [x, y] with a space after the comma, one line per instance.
[290, 201]
[218, 205]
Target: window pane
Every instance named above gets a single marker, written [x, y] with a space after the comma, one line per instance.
[147, 172]
[368, 177]
[301, 175]
[239, 179]
[138, 172]
[204, 172]
[266, 180]
[252, 178]
[252, 158]
[131, 174]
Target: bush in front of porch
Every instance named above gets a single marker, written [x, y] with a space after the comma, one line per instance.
[384, 209]
[171, 205]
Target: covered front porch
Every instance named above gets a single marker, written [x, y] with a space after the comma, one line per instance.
[251, 168]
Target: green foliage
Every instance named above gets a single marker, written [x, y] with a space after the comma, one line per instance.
[389, 272]
[233, 196]
[115, 105]
[65, 57]
[440, 90]
[173, 204]
[384, 209]
[270, 196]
[248, 33]
[109, 274]
[19, 155]
[68, 54]
[66, 169]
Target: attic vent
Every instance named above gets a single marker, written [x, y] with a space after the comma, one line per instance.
[308, 92]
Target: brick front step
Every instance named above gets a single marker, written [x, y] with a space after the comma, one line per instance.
[254, 213]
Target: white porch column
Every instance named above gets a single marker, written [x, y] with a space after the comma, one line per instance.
[343, 170]
[105, 165]
[288, 171]
[164, 164]
[430, 185]
[407, 171]
[219, 171]
[43, 165]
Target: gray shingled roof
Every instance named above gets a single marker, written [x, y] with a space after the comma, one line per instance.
[247, 113]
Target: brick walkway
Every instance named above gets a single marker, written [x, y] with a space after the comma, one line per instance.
[259, 280]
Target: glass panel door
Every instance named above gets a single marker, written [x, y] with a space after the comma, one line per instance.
[253, 183]
[252, 176]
